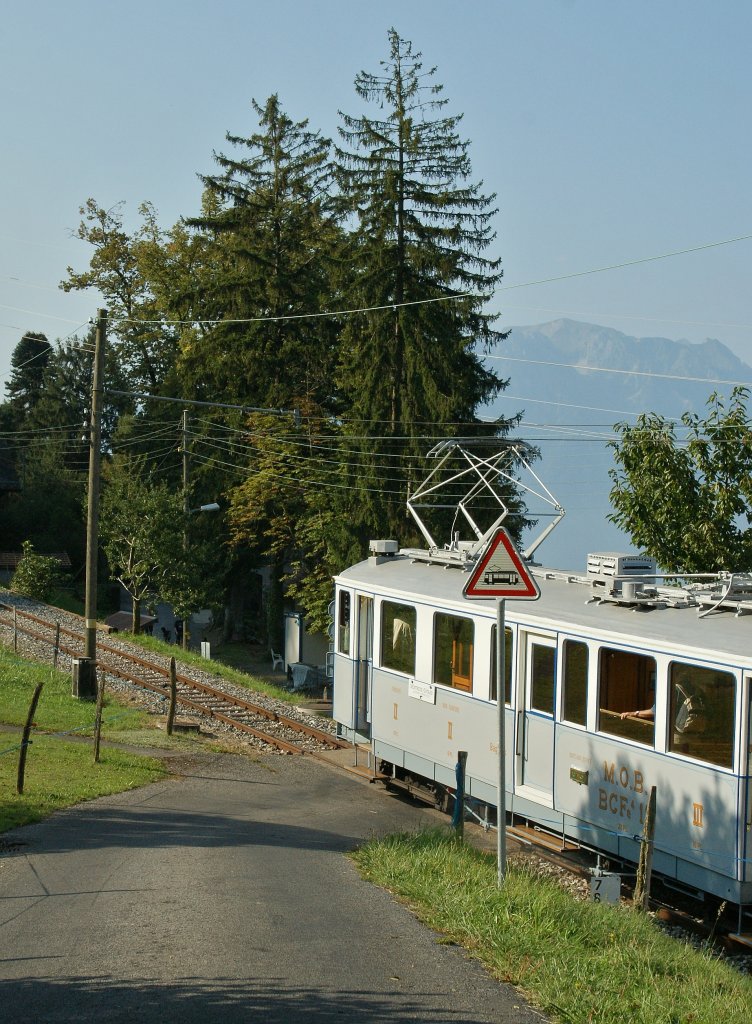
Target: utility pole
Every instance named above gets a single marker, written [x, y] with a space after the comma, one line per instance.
[186, 467]
[87, 687]
[186, 508]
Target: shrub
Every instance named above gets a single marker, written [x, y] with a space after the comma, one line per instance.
[37, 576]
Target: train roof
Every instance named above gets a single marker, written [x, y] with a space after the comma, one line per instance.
[577, 604]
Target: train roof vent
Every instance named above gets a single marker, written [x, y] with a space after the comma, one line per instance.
[611, 564]
[382, 550]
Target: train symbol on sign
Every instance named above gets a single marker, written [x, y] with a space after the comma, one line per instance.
[495, 578]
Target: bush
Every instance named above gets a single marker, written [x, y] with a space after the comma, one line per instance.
[37, 576]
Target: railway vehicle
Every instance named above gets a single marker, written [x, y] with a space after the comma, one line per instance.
[616, 680]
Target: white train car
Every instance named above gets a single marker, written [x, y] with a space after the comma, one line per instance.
[414, 670]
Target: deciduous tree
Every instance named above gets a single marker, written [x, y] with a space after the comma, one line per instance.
[684, 494]
[141, 527]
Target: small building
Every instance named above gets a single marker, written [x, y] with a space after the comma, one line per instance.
[121, 622]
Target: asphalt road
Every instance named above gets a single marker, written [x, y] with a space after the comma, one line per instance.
[224, 895]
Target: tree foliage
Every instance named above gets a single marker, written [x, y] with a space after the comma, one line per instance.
[122, 269]
[233, 307]
[28, 362]
[409, 366]
[285, 511]
[421, 229]
[687, 500]
[141, 527]
[274, 235]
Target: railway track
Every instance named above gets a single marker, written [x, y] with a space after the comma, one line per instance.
[260, 721]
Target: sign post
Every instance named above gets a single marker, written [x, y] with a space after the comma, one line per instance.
[500, 573]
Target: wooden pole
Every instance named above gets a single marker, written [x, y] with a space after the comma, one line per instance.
[92, 515]
[186, 511]
[25, 739]
[56, 649]
[98, 714]
[645, 867]
[15, 630]
[173, 697]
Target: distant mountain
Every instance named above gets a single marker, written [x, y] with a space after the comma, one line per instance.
[569, 411]
[628, 391]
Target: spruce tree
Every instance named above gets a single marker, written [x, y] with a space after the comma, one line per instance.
[409, 367]
[28, 362]
[270, 215]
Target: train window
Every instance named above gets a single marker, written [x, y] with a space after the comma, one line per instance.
[453, 646]
[574, 678]
[701, 713]
[398, 637]
[343, 644]
[627, 695]
[507, 664]
[542, 678]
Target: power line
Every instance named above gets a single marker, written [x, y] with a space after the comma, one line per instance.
[446, 298]
[628, 373]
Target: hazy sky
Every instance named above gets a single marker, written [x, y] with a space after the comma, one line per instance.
[610, 132]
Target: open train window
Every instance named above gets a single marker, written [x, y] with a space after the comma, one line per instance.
[574, 680]
[627, 695]
[508, 662]
[701, 713]
[343, 635]
[453, 649]
[398, 637]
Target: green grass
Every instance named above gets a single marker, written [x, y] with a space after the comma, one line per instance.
[576, 961]
[57, 710]
[60, 774]
[232, 675]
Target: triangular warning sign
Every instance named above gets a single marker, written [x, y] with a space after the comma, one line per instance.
[500, 572]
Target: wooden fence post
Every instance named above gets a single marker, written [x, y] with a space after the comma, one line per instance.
[15, 630]
[645, 867]
[173, 697]
[25, 739]
[56, 650]
[98, 713]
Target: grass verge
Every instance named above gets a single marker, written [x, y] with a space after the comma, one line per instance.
[57, 710]
[232, 675]
[60, 772]
[576, 961]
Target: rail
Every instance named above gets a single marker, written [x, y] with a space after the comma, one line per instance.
[199, 697]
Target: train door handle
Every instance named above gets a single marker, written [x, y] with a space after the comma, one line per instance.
[517, 745]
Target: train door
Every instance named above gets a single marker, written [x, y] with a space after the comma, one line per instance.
[535, 717]
[364, 663]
